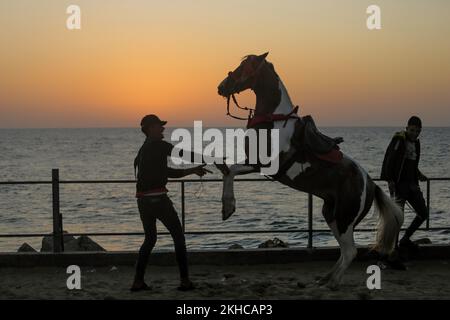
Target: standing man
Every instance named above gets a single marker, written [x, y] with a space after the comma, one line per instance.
[153, 202]
[400, 169]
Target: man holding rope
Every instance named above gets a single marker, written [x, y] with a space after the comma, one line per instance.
[153, 202]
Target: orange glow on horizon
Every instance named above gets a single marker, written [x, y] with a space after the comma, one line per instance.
[134, 58]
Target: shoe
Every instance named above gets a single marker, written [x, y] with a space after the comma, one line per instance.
[382, 264]
[394, 264]
[397, 265]
[143, 287]
[186, 285]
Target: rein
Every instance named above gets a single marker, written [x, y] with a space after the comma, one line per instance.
[255, 120]
[250, 110]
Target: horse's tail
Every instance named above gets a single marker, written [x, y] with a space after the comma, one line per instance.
[389, 223]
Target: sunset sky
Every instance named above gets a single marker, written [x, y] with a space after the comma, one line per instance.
[132, 57]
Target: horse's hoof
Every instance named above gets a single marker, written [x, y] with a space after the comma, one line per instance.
[226, 214]
[228, 208]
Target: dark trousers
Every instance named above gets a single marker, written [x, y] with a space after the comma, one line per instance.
[410, 192]
[161, 208]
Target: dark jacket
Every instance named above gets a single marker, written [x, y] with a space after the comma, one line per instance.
[395, 156]
[151, 165]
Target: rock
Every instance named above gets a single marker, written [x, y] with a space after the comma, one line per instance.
[47, 241]
[267, 244]
[275, 243]
[236, 246]
[87, 244]
[25, 247]
[83, 243]
[72, 245]
[423, 241]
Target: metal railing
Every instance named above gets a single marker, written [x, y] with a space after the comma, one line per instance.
[58, 242]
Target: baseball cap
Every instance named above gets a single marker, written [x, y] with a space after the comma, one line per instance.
[151, 119]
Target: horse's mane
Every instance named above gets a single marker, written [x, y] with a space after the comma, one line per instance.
[273, 69]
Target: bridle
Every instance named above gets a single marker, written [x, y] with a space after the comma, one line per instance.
[252, 120]
[249, 72]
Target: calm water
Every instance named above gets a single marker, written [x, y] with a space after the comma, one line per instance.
[94, 154]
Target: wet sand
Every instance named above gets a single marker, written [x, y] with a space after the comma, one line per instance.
[423, 280]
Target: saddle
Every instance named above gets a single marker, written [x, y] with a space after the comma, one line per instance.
[308, 139]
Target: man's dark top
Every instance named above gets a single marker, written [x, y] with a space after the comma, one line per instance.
[151, 164]
[401, 160]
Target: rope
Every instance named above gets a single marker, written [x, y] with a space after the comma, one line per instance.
[245, 108]
[199, 192]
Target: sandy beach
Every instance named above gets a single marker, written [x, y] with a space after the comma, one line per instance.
[423, 280]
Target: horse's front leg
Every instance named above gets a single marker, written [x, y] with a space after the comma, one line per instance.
[228, 199]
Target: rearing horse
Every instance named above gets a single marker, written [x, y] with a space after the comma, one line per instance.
[345, 187]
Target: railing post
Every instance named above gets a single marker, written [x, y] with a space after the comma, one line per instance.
[58, 244]
[310, 221]
[182, 207]
[428, 203]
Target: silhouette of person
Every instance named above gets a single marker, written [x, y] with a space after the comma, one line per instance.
[400, 169]
[153, 201]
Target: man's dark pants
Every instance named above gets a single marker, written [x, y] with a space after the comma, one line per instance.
[408, 191]
[161, 208]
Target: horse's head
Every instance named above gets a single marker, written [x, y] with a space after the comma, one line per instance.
[244, 76]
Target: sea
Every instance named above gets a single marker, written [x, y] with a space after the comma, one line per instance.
[108, 154]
